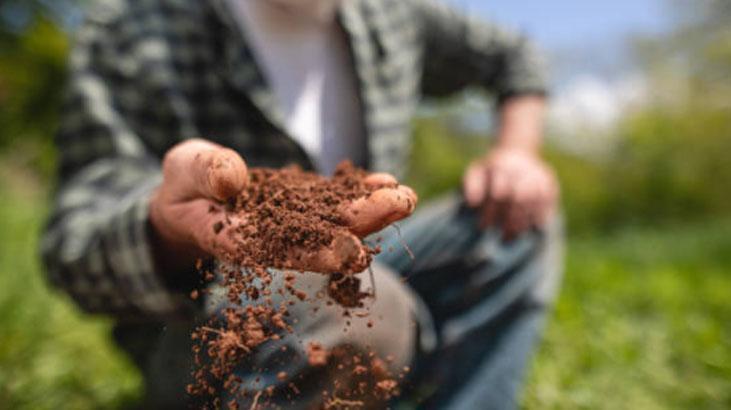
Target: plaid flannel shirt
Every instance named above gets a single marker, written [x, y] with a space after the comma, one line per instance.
[147, 74]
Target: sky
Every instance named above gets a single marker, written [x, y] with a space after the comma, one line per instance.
[579, 36]
[566, 23]
[593, 78]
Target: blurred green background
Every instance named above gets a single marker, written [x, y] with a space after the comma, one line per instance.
[643, 320]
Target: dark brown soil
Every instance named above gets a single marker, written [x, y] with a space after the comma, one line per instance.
[289, 208]
[281, 218]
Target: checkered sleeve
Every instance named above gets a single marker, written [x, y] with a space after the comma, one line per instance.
[96, 244]
[462, 51]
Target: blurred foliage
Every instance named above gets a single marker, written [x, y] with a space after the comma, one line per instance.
[642, 321]
[33, 49]
[438, 158]
[668, 164]
[670, 158]
[51, 355]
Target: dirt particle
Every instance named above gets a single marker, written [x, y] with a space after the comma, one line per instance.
[316, 355]
[290, 215]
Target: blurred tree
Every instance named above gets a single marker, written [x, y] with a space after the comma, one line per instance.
[695, 56]
[670, 163]
[33, 47]
[673, 160]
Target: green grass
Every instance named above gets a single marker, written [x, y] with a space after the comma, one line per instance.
[51, 356]
[642, 323]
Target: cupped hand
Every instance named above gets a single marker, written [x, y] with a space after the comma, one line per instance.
[199, 176]
[513, 189]
[389, 202]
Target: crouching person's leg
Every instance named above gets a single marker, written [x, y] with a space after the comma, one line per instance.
[488, 299]
[332, 355]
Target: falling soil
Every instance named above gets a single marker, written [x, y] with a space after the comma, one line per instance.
[288, 219]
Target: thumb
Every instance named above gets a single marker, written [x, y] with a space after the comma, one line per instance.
[223, 171]
[475, 185]
[199, 168]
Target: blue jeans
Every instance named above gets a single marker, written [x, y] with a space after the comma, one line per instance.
[487, 300]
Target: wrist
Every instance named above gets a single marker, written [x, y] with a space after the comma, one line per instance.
[515, 148]
[521, 124]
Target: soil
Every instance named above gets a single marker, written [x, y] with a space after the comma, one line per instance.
[281, 219]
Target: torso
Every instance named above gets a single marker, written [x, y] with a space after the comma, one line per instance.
[304, 56]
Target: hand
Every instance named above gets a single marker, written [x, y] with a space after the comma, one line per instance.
[512, 188]
[199, 176]
[387, 203]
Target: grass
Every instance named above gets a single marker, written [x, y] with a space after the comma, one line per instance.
[51, 356]
[642, 323]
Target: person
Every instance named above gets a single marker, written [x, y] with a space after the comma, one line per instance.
[310, 82]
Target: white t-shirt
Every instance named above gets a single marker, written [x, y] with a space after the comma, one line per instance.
[304, 56]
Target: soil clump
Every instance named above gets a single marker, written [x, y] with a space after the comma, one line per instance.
[286, 219]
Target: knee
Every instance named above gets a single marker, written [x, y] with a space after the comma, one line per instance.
[384, 325]
[550, 262]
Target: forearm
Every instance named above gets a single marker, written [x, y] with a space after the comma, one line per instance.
[521, 121]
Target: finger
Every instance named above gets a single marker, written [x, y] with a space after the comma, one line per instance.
[499, 186]
[474, 185]
[544, 199]
[380, 180]
[518, 219]
[218, 234]
[494, 208]
[224, 239]
[378, 210]
[226, 173]
[547, 206]
[516, 222]
[199, 168]
[538, 206]
[346, 253]
[489, 214]
[518, 213]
